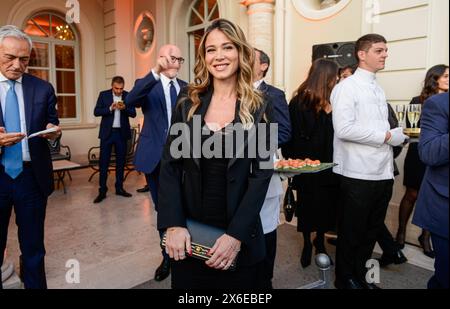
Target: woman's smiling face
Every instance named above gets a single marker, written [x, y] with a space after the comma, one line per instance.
[221, 56]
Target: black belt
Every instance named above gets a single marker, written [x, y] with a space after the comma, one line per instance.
[27, 164]
[116, 129]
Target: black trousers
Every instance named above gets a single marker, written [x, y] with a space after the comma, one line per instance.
[120, 144]
[387, 242]
[266, 273]
[364, 206]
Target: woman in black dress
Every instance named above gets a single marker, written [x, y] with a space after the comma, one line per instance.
[312, 137]
[436, 81]
[204, 185]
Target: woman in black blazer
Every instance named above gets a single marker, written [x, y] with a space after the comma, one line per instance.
[226, 190]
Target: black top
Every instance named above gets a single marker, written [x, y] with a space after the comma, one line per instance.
[214, 182]
[181, 192]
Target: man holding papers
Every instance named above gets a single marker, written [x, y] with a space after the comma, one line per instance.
[27, 105]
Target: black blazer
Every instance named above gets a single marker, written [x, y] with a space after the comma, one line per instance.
[180, 188]
[105, 99]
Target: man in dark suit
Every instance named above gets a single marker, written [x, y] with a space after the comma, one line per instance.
[277, 97]
[156, 94]
[270, 211]
[27, 106]
[432, 203]
[114, 131]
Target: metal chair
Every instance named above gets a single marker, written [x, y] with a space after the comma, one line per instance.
[94, 157]
[59, 152]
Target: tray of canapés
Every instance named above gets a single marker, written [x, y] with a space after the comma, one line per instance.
[298, 166]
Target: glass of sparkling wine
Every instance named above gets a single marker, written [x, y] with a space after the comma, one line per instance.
[414, 111]
[400, 111]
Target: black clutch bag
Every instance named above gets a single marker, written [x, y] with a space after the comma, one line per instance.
[203, 238]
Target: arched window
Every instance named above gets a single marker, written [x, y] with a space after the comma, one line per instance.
[55, 58]
[200, 16]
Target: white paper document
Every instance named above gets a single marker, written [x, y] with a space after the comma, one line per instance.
[51, 130]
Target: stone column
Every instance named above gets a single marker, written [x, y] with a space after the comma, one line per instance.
[260, 21]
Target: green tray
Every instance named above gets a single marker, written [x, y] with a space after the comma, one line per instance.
[307, 169]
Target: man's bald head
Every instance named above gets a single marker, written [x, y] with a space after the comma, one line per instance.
[169, 49]
[173, 54]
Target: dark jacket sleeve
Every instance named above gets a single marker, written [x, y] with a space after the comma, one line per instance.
[130, 109]
[170, 208]
[433, 145]
[102, 108]
[138, 95]
[281, 116]
[52, 114]
[242, 225]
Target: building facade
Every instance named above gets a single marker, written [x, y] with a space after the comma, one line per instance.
[79, 45]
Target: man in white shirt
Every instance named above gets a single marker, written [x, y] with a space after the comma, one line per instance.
[114, 131]
[363, 151]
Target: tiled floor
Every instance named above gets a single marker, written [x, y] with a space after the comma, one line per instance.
[115, 243]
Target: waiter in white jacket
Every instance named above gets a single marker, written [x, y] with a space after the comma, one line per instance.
[363, 151]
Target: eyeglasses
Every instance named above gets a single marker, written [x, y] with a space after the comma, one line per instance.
[180, 60]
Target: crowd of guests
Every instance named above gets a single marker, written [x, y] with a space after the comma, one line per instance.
[338, 115]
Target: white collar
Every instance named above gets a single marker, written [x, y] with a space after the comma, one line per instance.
[166, 81]
[4, 79]
[258, 83]
[367, 76]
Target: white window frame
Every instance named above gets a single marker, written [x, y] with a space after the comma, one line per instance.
[52, 42]
[190, 29]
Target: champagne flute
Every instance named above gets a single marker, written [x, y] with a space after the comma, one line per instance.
[400, 111]
[414, 114]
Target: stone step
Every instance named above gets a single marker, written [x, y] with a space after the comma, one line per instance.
[13, 283]
[9, 277]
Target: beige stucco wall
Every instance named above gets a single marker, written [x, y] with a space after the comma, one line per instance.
[302, 34]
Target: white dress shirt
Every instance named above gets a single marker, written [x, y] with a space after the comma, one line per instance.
[165, 81]
[116, 123]
[360, 120]
[4, 88]
[258, 83]
[270, 211]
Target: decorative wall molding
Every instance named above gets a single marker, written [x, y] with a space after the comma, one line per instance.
[319, 9]
[144, 33]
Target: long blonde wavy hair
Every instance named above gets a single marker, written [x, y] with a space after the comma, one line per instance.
[250, 99]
